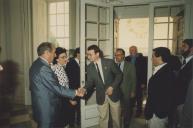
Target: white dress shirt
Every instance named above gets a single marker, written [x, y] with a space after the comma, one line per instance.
[157, 68]
[77, 60]
[100, 69]
[187, 60]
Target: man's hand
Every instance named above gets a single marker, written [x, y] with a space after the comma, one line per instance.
[109, 91]
[80, 92]
[73, 102]
[1, 68]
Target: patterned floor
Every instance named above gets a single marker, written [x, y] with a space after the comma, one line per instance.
[21, 117]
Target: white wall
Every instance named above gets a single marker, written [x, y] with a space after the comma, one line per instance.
[39, 23]
[72, 24]
[2, 31]
[16, 40]
[189, 4]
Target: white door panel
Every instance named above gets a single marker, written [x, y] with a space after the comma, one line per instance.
[95, 29]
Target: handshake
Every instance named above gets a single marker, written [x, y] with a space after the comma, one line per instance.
[80, 92]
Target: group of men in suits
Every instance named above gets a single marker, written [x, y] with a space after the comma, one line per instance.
[110, 80]
[169, 90]
[114, 80]
[115, 83]
[45, 88]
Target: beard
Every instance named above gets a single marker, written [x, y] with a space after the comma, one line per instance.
[185, 53]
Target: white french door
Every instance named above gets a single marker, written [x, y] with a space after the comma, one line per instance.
[96, 28]
[166, 27]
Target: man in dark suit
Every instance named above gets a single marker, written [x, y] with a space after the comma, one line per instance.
[184, 75]
[45, 88]
[160, 87]
[127, 85]
[140, 63]
[105, 75]
[186, 120]
[73, 72]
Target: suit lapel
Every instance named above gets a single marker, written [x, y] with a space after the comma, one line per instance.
[95, 73]
[160, 71]
[125, 68]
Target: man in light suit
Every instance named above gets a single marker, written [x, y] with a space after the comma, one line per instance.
[105, 75]
[45, 88]
[127, 85]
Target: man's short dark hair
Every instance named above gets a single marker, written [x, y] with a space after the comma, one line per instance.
[44, 46]
[122, 50]
[162, 52]
[77, 51]
[189, 42]
[96, 50]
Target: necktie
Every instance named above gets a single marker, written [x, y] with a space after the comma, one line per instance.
[184, 62]
[119, 65]
[98, 71]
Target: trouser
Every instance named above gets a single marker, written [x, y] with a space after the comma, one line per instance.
[127, 110]
[156, 122]
[139, 99]
[115, 111]
[74, 116]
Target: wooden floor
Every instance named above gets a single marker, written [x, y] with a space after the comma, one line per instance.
[21, 117]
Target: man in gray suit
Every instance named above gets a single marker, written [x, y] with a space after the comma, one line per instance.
[127, 85]
[45, 88]
[105, 75]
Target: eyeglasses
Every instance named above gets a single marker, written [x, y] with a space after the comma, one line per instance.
[118, 54]
[63, 57]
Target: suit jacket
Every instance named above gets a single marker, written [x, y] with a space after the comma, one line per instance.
[183, 80]
[45, 91]
[160, 87]
[112, 77]
[129, 80]
[141, 69]
[73, 72]
[186, 119]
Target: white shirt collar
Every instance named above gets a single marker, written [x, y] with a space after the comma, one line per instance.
[157, 68]
[121, 64]
[188, 59]
[99, 61]
[77, 60]
[44, 59]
